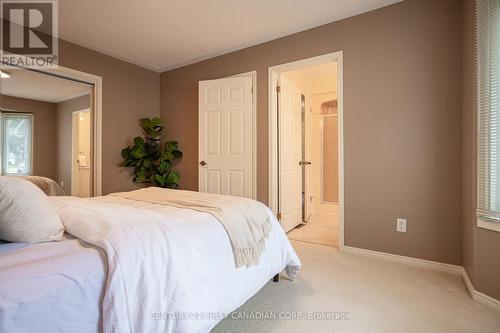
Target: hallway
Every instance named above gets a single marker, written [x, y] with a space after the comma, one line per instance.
[321, 229]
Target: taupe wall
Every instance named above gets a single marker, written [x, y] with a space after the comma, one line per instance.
[402, 101]
[330, 177]
[480, 247]
[64, 138]
[129, 93]
[44, 131]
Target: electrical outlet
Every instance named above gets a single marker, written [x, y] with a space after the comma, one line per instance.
[401, 225]
[62, 183]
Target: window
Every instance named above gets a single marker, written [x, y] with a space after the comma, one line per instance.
[488, 113]
[16, 143]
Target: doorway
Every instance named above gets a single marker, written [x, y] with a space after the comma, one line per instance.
[306, 149]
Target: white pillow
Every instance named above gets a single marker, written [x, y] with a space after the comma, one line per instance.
[26, 213]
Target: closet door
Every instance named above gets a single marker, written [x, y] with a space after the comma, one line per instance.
[226, 136]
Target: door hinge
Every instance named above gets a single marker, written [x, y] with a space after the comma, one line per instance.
[278, 216]
[278, 89]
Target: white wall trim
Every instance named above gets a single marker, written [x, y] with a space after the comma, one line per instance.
[468, 282]
[96, 82]
[482, 223]
[477, 296]
[273, 74]
[428, 264]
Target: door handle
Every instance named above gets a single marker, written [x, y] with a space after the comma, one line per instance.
[203, 163]
[304, 163]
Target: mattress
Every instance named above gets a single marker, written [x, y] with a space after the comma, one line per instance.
[60, 286]
[51, 287]
[230, 287]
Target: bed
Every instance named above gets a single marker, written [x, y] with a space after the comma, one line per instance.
[173, 272]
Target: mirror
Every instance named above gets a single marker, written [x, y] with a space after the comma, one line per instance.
[46, 131]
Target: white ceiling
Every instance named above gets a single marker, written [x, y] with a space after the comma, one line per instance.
[165, 34]
[40, 87]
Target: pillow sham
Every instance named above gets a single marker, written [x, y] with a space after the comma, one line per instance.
[26, 213]
[47, 185]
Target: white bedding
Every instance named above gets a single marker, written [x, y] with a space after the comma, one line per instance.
[170, 269]
[246, 221]
[51, 287]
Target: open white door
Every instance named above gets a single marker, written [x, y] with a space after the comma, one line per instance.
[75, 143]
[290, 155]
[226, 136]
[306, 156]
[81, 154]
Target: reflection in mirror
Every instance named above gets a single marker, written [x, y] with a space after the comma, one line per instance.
[46, 131]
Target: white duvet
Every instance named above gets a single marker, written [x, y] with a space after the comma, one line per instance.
[169, 269]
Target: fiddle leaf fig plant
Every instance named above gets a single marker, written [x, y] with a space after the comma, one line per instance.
[152, 160]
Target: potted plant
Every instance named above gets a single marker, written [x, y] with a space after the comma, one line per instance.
[152, 160]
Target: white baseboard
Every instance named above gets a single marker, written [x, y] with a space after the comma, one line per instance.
[407, 260]
[468, 283]
[477, 296]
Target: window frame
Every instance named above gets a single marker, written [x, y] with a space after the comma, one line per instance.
[3, 160]
[487, 113]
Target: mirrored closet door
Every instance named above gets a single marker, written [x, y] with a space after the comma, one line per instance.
[46, 125]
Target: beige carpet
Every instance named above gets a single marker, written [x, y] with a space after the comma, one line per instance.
[321, 229]
[380, 296]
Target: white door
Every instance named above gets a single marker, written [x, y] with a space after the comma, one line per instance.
[226, 136]
[290, 155]
[306, 132]
[81, 154]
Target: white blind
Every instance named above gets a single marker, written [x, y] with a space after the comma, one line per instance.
[488, 108]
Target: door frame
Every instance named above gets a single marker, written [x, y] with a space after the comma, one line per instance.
[273, 76]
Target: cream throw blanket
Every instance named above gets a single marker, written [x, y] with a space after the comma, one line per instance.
[246, 221]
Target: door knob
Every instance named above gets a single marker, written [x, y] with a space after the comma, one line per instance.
[304, 163]
[203, 163]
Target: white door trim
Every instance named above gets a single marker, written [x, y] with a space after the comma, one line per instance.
[253, 74]
[96, 81]
[273, 74]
